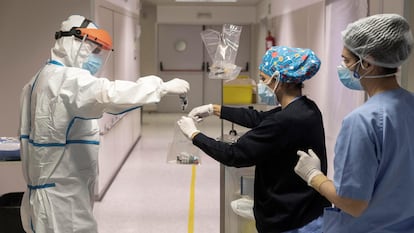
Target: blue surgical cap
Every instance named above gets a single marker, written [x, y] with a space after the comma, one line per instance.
[290, 65]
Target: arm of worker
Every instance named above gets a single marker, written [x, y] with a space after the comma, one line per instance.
[97, 95]
[308, 168]
[246, 117]
[239, 154]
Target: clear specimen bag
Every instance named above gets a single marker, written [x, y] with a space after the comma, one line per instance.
[182, 150]
[222, 49]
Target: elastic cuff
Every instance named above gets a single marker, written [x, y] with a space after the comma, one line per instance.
[194, 134]
[318, 180]
[210, 110]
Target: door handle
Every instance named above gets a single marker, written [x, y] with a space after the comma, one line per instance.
[181, 70]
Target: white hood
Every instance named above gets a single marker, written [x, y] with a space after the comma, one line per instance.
[66, 48]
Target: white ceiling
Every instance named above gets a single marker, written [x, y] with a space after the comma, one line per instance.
[173, 3]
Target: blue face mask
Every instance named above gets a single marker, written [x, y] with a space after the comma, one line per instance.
[349, 79]
[93, 64]
[267, 96]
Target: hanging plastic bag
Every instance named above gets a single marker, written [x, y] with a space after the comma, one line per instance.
[222, 49]
[182, 150]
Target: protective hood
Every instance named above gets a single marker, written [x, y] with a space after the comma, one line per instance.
[67, 47]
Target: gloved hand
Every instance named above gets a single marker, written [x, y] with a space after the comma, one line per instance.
[175, 86]
[188, 127]
[308, 166]
[202, 111]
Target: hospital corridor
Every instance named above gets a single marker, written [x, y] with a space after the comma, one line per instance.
[150, 195]
[206, 116]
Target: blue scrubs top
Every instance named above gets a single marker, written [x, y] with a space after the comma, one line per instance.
[374, 161]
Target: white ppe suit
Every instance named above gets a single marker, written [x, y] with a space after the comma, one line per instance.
[60, 135]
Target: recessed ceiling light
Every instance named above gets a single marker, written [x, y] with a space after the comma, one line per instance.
[206, 0]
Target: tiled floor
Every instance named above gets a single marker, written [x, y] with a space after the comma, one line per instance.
[150, 196]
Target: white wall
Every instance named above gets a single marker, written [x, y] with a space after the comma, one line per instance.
[408, 68]
[405, 8]
[25, 48]
[282, 7]
[206, 14]
[133, 6]
[148, 40]
[268, 10]
[28, 29]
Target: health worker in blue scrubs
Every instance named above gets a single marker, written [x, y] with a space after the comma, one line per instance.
[372, 190]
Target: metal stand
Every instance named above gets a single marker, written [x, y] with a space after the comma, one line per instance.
[222, 179]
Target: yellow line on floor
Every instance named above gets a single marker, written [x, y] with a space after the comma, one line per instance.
[192, 192]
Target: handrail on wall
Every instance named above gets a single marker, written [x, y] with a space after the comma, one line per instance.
[182, 70]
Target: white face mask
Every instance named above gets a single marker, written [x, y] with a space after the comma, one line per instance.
[93, 63]
[266, 94]
[348, 78]
[351, 79]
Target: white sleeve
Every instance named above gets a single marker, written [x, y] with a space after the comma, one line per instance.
[90, 97]
[25, 116]
[120, 95]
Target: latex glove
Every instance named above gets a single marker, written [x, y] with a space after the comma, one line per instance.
[175, 86]
[202, 111]
[188, 127]
[308, 165]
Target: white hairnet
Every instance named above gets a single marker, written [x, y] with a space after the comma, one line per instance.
[384, 39]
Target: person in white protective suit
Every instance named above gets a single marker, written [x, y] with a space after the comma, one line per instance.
[59, 130]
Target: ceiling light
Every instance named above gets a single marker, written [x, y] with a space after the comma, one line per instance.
[206, 0]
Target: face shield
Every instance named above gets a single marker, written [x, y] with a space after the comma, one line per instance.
[95, 47]
[92, 57]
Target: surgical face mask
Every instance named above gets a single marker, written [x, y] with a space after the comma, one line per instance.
[93, 63]
[348, 78]
[91, 57]
[266, 94]
[351, 79]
